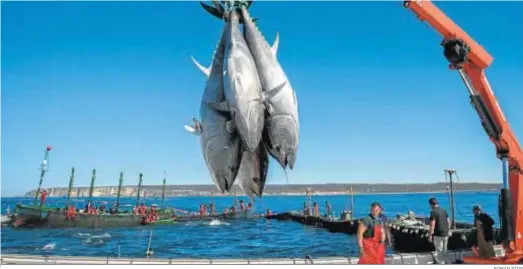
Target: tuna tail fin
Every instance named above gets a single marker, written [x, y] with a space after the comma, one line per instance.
[205, 70]
[276, 43]
[216, 11]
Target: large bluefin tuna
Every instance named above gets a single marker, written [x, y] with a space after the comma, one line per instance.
[253, 172]
[221, 145]
[281, 130]
[242, 86]
[281, 133]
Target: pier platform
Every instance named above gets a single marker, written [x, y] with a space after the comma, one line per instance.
[451, 257]
[408, 236]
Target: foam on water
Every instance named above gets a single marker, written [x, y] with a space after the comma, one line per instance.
[217, 222]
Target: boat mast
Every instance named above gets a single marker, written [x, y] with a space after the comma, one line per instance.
[91, 189]
[71, 180]
[44, 167]
[163, 188]
[140, 178]
[450, 173]
[119, 191]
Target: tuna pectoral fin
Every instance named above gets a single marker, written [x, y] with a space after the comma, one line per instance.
[268, 95]
[205, 70]
[276, 43]
[192, 130]
[219, 107]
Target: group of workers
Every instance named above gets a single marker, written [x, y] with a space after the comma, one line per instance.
[440, 226]
[373, 234]
[329, 212]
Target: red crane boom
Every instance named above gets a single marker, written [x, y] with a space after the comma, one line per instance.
[470, 60]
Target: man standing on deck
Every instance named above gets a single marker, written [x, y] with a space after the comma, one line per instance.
[371, 237]
[439, 229]
[43, 196]
[328, 209]
[485, 233]
[316, 209]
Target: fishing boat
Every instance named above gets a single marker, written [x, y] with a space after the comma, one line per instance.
[246, 214]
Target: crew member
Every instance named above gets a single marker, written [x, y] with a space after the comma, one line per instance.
[135, 210]
[242, 205]
[439, 229]
[226, 210]
[269, 212]
[142, 209]
[70, 213]
[305, 209]
[316, 209]
[371, 237]
[43, 196]
[233, 208]
[212, 208]
[102, 208]
[485, 233]
[328, 209]
[249, 206]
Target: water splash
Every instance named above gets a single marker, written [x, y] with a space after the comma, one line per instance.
[216, 222]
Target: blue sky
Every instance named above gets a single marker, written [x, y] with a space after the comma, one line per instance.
[110, 85]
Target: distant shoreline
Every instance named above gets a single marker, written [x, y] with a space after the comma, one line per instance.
[317, 193]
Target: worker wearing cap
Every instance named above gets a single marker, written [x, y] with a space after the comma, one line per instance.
[485, 233]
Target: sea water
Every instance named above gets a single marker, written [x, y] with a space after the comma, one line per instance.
[258, 238]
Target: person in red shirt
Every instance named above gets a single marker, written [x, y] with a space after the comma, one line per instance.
[316, 209]
[142, 209]
[70, 213]
[269, 212]
[43, 196]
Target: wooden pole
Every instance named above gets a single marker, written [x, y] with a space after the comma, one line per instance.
[118, 193]
[43, 169]
[450, 173]
[163, 189]
[71, 180]
[91, 189]
[140, 178]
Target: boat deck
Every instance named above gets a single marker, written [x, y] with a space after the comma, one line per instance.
[397, 259]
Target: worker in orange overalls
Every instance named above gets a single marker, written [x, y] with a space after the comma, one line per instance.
[43, 196]
[316, 209]
[371, 237]
[141, 209]
[69, 215]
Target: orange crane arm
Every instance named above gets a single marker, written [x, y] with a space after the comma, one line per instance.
[470, 60]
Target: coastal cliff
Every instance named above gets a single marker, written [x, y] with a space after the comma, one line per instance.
[291, 189]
